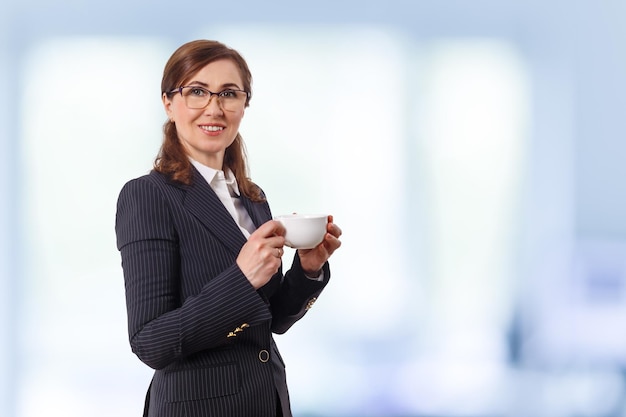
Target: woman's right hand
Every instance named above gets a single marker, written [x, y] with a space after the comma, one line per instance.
[260, 258]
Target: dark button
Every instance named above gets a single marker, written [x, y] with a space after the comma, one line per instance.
[264, 356]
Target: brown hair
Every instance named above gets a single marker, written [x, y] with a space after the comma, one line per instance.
[172, 159]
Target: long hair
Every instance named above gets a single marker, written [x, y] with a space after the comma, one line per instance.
[172, 159]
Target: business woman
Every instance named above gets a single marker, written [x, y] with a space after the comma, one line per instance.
[202, 257]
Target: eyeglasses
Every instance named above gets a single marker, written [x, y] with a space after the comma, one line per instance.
[198, 97]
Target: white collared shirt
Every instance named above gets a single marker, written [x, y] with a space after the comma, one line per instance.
[225, 186]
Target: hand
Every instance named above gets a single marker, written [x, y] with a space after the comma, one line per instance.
[312, 260]
[260, 258]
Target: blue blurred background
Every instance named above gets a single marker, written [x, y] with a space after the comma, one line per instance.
[473, 153]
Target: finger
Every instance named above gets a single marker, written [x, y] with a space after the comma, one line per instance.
[274, 246]
[331, 243]
[277, 228]
[270, 255]
[271, 228]
[334, 230]
[275, 241]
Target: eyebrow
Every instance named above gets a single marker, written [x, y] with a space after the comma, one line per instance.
[205, 85]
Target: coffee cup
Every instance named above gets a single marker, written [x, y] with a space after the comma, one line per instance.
[304, 231]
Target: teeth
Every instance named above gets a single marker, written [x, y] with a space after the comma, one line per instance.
[212, 128]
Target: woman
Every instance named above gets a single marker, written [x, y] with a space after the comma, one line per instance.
[202, 256]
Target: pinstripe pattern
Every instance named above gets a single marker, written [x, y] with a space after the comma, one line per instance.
[185, 294]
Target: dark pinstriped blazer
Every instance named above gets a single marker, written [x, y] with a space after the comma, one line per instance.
[192, 314]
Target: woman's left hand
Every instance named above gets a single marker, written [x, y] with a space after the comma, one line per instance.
[312, 260]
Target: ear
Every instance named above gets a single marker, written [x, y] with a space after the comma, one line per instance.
[167, 105]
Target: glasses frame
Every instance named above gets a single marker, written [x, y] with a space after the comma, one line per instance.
[211, 94]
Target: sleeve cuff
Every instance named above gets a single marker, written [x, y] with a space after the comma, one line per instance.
[319, 277]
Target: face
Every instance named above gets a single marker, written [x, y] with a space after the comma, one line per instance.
[206, 133]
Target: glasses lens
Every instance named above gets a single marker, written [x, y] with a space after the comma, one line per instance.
[229, 100]
[232, 100]
[196, 97]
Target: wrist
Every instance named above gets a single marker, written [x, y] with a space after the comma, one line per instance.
[313, 275]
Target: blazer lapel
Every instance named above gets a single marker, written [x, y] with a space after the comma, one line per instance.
[259, 212]
[203, 203]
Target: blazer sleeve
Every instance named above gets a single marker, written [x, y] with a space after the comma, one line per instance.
[295, 296]
[162, 329]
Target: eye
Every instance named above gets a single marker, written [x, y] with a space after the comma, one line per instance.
[197, 92]
[228, 94]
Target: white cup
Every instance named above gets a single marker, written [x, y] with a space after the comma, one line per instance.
[304, 231]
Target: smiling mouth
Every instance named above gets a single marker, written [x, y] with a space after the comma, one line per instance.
[212, 128]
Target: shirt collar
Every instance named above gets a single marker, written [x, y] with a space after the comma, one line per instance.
[210, 175]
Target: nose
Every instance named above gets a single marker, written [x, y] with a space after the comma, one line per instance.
[213, 106]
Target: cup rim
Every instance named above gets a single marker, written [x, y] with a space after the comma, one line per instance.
[300, 216]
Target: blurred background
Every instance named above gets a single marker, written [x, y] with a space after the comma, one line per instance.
[472, 152]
